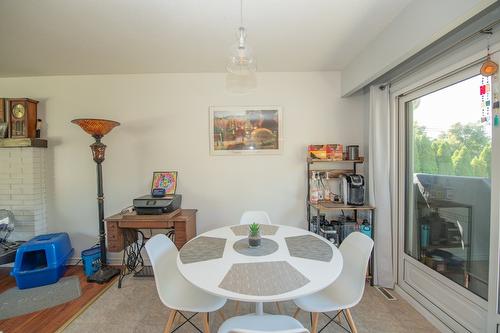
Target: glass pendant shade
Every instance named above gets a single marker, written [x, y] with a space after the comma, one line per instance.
[241, 84]
[241, 61]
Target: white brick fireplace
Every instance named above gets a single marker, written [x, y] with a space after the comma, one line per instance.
[23, 189]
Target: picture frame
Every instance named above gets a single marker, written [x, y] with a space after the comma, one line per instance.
[166, 180]
[249, 130]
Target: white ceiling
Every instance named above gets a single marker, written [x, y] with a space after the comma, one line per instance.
[48, 37]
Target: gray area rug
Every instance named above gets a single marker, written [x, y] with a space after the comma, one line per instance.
[268, 246]
[15, 302]
[136, 308]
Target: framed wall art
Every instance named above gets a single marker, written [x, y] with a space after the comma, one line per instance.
[246, 130]
[166, 180]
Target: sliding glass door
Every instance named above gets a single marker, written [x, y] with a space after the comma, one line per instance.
[448, 181]
[444, 201]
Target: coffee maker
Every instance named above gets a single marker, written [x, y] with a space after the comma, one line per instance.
[353, 190]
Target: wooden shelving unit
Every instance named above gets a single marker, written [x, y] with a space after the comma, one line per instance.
[328, 206]
[332, 173]
[327, 160]
[332, 206]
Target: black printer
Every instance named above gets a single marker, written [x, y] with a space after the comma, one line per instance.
[149, 205]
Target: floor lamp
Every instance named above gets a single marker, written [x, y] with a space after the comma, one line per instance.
[98, 128]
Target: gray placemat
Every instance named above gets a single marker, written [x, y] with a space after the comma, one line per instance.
[309, 247]
[202, 249]
[267, 247]
[15, 302]
[265, 230]
[263, 278]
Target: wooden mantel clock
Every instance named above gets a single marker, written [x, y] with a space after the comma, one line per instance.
[22, 118]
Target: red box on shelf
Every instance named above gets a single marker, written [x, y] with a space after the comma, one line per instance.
[331, 151]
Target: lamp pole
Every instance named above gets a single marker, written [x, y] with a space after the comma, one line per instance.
[96, 147]
[98, 128]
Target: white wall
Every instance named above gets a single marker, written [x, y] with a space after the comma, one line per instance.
[421, 23]
[164, 121]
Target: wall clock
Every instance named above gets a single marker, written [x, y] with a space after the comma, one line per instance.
[22, 118]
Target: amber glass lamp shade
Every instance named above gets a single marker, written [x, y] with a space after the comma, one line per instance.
[96, 127]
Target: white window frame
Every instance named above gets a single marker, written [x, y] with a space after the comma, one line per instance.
[399, 96]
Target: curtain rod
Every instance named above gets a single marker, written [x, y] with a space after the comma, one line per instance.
[485, 30]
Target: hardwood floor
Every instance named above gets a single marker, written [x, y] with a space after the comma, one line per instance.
[52, 319]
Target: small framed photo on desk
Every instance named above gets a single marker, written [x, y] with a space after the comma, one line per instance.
[166, 180]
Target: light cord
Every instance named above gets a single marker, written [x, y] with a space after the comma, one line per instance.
[241, 13]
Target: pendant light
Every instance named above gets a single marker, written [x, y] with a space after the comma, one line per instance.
[241, 61]
[489, 67]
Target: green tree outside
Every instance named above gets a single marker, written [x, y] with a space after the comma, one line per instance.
[464, 150]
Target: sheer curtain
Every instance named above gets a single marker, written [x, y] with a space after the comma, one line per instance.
[379, 184]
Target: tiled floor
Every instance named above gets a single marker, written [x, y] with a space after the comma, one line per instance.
[137, 308]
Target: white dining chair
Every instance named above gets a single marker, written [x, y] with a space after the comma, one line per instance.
[175, 292]
[348, 289]
[262, 324]
[255, 216]
[259, 217]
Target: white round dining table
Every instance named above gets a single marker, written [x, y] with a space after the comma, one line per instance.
[290, 263]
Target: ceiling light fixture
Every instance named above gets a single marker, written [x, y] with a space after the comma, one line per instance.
[241, 61]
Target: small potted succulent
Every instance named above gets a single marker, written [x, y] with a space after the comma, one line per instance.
[254, 238]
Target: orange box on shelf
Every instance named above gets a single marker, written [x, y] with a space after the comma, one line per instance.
[328, 151]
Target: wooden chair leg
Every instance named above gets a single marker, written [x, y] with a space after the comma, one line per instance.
[314, 325]
[170, 321]
[296, 314]
[221, 314]
[350, 321]
[278, 307]
[237, 308]
[338, 319]
[206, 324]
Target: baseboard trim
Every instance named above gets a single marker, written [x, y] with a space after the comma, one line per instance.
[423, 311]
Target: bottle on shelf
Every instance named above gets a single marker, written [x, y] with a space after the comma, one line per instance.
[319, 187]
[313, 195]
[326, 188]
[425, 232]
[366, 228]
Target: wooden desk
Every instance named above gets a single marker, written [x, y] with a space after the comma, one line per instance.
[182, 220]
[123, 230]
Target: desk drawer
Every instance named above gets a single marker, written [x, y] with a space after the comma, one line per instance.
[145, 224]
[114, 236]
